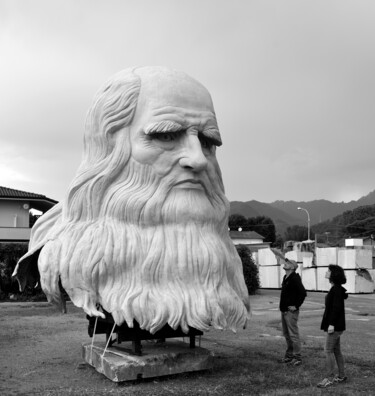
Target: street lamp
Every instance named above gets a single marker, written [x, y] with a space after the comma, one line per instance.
[308, 222]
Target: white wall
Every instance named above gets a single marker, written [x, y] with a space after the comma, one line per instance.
[313, 277]
[355, 258]
[12, 214]
[12, 234]
[326, 256]
[238, 241]
[269, 276]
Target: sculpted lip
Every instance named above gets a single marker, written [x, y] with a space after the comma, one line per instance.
[190, 183]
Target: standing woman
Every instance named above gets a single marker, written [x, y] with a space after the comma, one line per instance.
[334, 324]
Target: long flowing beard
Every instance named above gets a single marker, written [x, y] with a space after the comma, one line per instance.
[155, 255]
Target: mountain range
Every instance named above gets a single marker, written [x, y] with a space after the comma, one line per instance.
[285, 213]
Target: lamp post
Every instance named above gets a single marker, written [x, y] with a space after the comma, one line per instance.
[308, 221]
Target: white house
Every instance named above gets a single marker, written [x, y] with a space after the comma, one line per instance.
[251, 239]
[15, 206]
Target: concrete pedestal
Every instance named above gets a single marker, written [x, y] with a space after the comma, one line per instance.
[171, 357]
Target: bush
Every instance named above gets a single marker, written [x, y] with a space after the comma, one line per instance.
[250, 269]
[10, 253]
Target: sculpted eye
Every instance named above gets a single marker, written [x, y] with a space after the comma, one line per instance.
[206, 143]
[165, 137]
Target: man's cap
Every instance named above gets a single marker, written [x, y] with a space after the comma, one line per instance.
[294, 263]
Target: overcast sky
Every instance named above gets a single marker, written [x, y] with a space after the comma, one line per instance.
[293, 84]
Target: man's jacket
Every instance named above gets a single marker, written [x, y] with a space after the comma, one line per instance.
[293, 292]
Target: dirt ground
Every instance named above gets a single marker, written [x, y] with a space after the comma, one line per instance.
[40, 351]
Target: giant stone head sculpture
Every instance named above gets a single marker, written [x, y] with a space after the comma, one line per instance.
[143, 230]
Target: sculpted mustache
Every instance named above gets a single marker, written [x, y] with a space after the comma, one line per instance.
[210, 187]
[194, 181]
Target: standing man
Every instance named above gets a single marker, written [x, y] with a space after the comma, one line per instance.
[292, 296]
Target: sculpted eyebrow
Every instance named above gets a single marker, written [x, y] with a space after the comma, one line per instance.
[212, 134]
[163, 127]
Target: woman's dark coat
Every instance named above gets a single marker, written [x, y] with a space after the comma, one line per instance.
[334, 313]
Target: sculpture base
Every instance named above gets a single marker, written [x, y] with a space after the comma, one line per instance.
[173, 357]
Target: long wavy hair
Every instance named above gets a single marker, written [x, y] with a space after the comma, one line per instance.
[105, 152]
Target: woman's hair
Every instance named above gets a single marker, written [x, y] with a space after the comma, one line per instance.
[337, 276]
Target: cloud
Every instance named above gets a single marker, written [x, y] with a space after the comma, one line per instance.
[293, 87]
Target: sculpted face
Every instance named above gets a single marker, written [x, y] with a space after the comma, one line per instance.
[175, 131]
[143, 228]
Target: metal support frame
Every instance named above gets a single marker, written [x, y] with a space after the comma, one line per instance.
[135, 334]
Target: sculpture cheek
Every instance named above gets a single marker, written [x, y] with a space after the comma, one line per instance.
[160, 160]
[164, 163]
[145, 152]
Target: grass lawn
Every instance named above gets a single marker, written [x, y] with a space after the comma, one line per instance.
[41, 354]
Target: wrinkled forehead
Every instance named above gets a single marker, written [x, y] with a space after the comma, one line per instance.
[174, 96]
[173, 88]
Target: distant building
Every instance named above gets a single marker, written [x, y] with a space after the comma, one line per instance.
[251, 239]
[15, 206]
[368, 242]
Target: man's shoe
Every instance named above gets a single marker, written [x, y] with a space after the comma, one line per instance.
[295, 362]
[285, 360]
[339, 379]
[325, 383]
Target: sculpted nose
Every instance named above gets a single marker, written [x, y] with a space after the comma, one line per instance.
[193, 157]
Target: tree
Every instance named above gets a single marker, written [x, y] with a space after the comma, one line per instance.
[359, 222]
[296, 233]
[250, 269]
[10, 253]
[236, 220]
[261, 224]
[264, 226]
[279, 242]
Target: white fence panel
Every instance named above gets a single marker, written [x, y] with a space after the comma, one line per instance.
[269, 276]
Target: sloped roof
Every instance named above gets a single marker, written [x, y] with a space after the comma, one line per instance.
[6, 192]
[245, 235]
